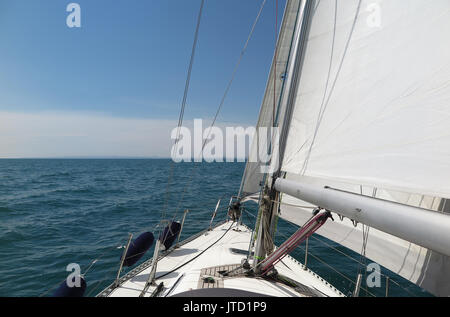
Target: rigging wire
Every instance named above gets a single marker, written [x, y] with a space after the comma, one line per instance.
[222, 102]
[183, 106]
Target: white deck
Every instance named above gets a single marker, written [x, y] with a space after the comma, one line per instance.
[187, 278]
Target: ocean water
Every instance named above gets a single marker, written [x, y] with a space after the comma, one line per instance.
[57, 212]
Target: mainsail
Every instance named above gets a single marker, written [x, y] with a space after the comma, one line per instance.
[371, 116]
[373, 104]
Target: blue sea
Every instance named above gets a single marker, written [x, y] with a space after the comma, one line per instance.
[60, 211]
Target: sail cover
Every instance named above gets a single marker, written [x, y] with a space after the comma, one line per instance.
[372, 111]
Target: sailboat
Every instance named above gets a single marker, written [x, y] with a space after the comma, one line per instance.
[361, 157]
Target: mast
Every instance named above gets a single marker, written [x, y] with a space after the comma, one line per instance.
[268, 211]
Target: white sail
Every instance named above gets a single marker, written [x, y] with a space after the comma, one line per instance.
[373, 103]
[372, 110]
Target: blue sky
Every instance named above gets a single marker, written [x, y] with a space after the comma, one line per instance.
[127, 62]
